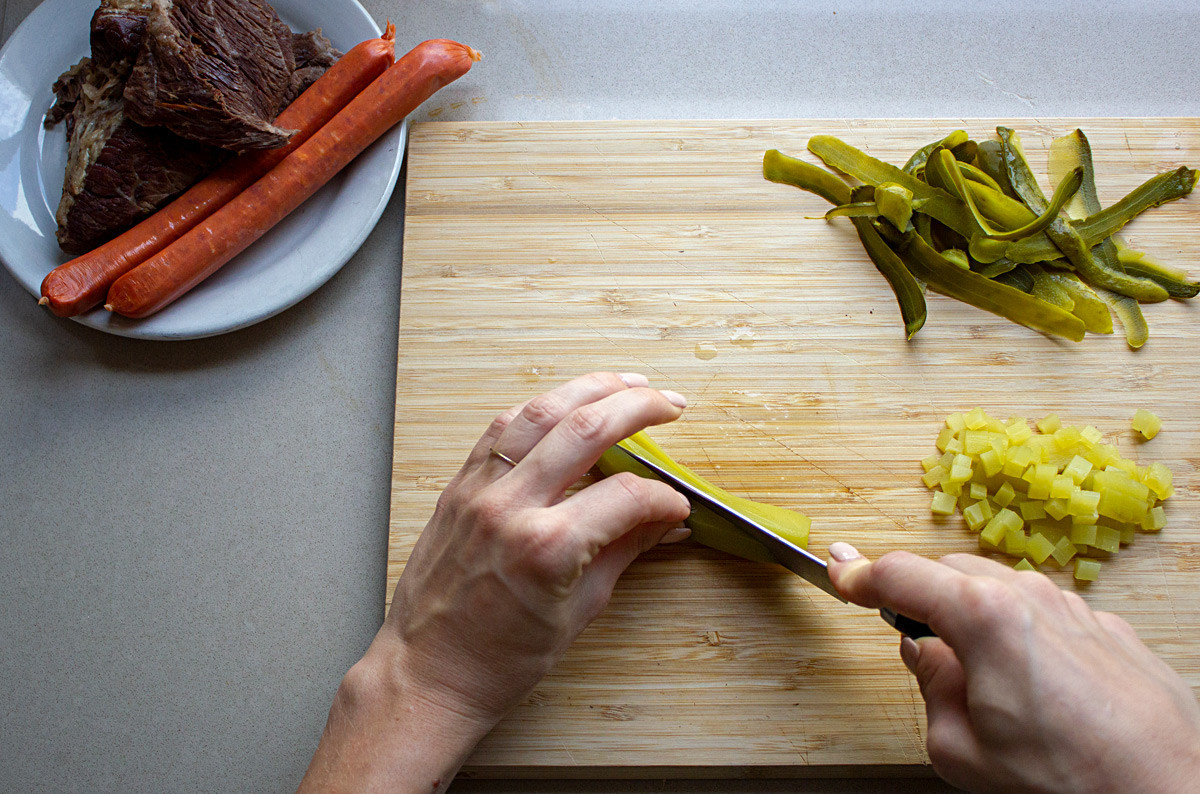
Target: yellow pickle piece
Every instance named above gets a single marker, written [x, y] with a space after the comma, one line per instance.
[1046, 491]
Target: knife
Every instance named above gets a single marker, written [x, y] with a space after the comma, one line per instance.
[797, 560]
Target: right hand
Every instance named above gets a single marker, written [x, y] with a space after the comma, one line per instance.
[1025, 686]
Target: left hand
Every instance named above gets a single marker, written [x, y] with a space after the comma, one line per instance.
[508, 571]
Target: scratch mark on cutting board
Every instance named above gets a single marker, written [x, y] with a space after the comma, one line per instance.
[637, 358]
[722, 290]
[1167, 587]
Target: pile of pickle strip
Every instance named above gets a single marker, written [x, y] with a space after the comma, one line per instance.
[968, 220]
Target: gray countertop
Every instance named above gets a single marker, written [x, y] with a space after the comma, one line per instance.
[193, 534]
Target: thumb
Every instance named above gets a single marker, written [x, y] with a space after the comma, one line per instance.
[953, 746]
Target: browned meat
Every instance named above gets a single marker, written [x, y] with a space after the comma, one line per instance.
[119, 171]
[213, 71]
[314, 54]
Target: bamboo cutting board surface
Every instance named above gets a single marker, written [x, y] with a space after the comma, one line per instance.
[537, 252]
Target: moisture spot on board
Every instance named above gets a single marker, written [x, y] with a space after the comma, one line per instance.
[743, 336]
[706, 351]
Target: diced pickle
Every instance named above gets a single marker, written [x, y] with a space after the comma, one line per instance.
[1146, 423]
[1086, 570]
[1075, 494]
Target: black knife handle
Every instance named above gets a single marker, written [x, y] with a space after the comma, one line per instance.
[906, 625]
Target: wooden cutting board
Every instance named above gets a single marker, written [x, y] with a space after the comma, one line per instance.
[537, 252]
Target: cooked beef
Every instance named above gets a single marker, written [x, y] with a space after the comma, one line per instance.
[313, 54]
[118, 29]
[213, 71]
[119, 171]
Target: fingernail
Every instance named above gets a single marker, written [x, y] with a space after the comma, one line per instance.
[843, 552]
[635, 379]
[675, 398]
[910, 652]
[674, 535]
[683, 500]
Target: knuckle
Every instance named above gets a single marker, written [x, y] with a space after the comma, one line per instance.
[545, 548]
[544, 411]
[638, 489]
[486, 512]
[503, 420]
[989, 601]
[588, 423]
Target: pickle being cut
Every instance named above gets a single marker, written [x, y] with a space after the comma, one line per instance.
[708, 527]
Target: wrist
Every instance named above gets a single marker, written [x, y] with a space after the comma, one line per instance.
[384, 732]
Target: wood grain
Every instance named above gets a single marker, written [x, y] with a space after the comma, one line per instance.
[537, 252]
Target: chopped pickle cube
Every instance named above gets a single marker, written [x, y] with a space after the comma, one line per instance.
[1014, 542]
[1025, 456]
[1083, 519]
[1062, 486]
[935, 476]
[954, 445]
[976, 516]
[1050, 423]
[1024, 565]
[1078, 469]
[943, 503]
[978, 490]
[1050, 530]
[1090, 436]
[961, 470]
[1064, 550]
[1005, 494]
[1123, 464]
[1083, 502]
[1000, 524]
[1127, 534]
[929, 462]
[1012, 468]
[992, 462]
[944, 438]
[1018, 433]
[1155, 519]
[1037, 548]
[1032, 510]
[1158, 479]
[1083, 534]
[952, 488]
[955, 422]
[1066, 436]
[1056, 508]
[976, 441]
[1107, 539]
[1146, 423]
[1087, 570]
[975, 418]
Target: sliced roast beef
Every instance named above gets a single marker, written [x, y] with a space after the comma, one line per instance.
[118, 170]
[213, 71]
[313, 54]
[118, 29]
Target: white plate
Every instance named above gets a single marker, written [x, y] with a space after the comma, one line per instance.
[285, 266]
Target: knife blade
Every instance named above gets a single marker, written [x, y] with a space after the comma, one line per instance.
[801, 562]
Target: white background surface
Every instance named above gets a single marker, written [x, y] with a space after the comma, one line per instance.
[192, 535]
